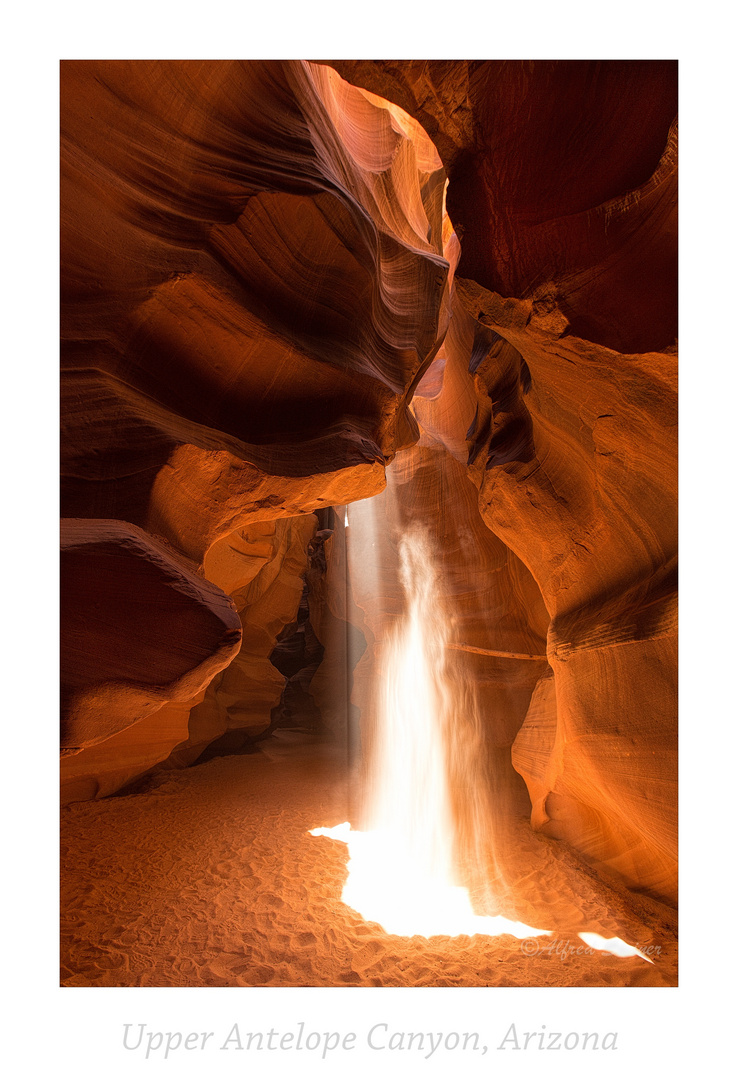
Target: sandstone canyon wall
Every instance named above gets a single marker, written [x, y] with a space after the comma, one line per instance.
[257, 278]
[562, 190]
[252, 285]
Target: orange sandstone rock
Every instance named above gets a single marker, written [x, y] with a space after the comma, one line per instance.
[242, 697]
[562, 188]
[137, 629]
[256, 280]
[252, 285]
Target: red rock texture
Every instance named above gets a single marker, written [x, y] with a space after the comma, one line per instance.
[121, 595]
[106, 767]
[561, 173]
[562, 184]
[262, 568]
[240, 700]
[252, 283]
[578, 476]
[197, 200]
[256, 280]
[495, 618]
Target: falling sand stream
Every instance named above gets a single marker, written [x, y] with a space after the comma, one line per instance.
[428, 844]
[233, 872]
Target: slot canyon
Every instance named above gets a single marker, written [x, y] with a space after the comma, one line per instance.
[368, 540]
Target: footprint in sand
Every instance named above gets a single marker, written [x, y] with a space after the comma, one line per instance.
[367, 955]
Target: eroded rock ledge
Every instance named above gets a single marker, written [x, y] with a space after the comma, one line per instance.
[562, 188]
[252, 284]
[256, 278]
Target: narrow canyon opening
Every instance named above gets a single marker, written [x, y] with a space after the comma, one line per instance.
[368, 571]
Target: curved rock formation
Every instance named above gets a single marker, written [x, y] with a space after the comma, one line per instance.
[562, 179]
[255, 284]
[252, 284]
[262, 568]
[562, 185]
[198, 199]
[137, 630]
[239, 702]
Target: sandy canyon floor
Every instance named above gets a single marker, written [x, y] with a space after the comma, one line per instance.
[211, 878]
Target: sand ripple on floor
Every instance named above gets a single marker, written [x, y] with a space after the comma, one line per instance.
[212, 879]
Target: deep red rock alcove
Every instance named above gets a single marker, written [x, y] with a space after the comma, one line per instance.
[257, 277]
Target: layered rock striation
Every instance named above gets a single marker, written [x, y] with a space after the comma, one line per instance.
[256, 282]
[562, 190]
[121, 592]
[252, 284]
